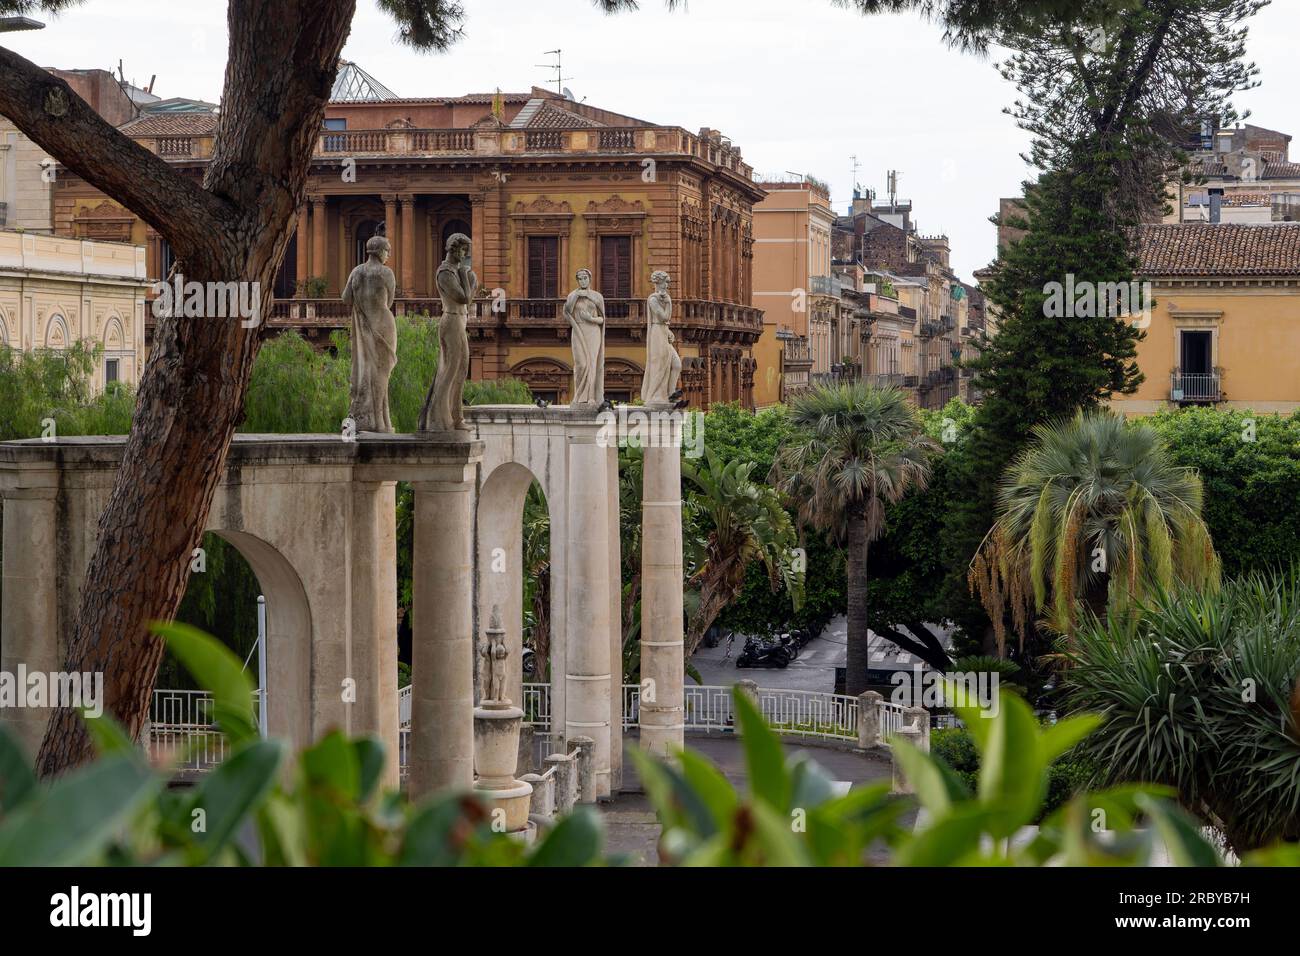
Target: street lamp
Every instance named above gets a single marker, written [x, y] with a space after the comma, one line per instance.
[14, 24]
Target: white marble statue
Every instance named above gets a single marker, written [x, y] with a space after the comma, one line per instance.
[370, 291]
[663, 366]
[457, 285]
[585, 310]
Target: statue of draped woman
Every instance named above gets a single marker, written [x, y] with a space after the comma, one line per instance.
[457, 284]
[585, 310]
[663, 366]
[370, 291]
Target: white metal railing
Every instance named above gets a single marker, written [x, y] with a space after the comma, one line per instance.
[181, 723]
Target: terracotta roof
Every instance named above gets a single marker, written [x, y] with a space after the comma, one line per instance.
[1282, 171]
[1220, 249]
[1247, 199]
[171, 124]
[551, 116]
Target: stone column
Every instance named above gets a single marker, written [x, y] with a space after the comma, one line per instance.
[29, 627]
[302, 245]
[395, 249]
[319, 217]
[869, 719]
[662, 638]
[587, 654]
[374, 617]
[615, 625]
[408, 246]
[442, 666]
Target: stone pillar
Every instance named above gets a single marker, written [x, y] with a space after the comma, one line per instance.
[395, 249]
[566, 781]
[302, 244]
[442, 666]
[408, 246]
[541, 806]
[919, 718]
[869, 719]
[662, 638]
[374, 617]
[319, 217]
[586, 766]
[587, 654]
[615, 625]
[29, 626]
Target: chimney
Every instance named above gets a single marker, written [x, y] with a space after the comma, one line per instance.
[1216, 205]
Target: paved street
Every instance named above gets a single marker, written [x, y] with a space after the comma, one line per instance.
[814, 670]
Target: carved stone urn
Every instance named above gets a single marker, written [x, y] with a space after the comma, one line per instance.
[496, 742]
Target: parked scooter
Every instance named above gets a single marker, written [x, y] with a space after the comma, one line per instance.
[761, 653]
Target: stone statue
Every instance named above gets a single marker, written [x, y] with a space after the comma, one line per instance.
[663, 366]
[370, 291]
[585, 310]
[494, 653]
[457, 285]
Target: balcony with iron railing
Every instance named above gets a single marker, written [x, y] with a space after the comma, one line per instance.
[1195, 387]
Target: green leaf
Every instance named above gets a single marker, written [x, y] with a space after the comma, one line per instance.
[217, 671]
[574, 841]
[1181, 835]
[933, 787]
[713, 789]
[371, 755]
[75, 820]
[949, 839]
[233, 790]
[17, 780]
[1012, 771]
[110, 737]
[764, 759]
[428, 836]
[1064, 734]
[334, 764]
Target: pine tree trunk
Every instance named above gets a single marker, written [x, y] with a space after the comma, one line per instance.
[858, 652]
[282, 61]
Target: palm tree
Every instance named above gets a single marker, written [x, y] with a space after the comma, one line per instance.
[862, 448]
[1094, 510]
[741, 521]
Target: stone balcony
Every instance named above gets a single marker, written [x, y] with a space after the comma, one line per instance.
[694, 319]
[432, 143]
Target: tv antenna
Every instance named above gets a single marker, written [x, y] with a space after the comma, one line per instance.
[854, 179]
[558, 67]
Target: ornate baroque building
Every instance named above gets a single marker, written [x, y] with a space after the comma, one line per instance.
[544, 186]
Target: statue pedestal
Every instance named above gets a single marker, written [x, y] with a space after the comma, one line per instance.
[496, 756]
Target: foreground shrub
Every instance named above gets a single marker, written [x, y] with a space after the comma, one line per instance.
[1201, 691]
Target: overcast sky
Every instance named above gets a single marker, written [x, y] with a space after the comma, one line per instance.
[798, 86]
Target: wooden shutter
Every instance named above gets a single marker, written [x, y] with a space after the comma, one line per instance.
[543, 267]
[616, 267]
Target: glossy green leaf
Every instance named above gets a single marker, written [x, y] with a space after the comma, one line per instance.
[217, 671]
[574, 841]
[234, 790]
[764, 758]
[17, 780]
[72, 822]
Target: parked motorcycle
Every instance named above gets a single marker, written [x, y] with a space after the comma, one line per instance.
[761, 653]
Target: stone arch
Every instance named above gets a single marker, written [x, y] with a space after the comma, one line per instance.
[500, 563]
[549, 377]
[56, 332]
[114, 336]
[288, 636]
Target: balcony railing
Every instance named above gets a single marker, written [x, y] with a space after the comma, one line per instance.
[1195, 387]
[697, 314]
